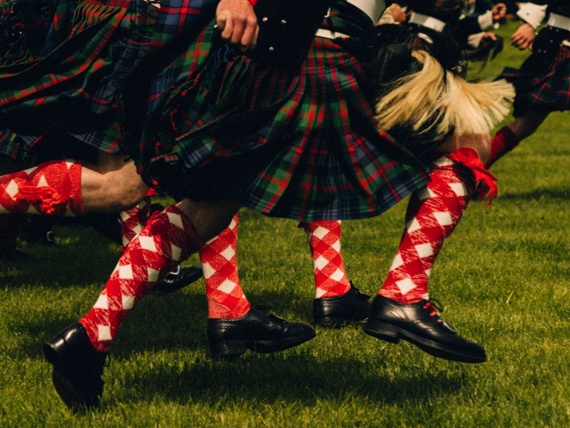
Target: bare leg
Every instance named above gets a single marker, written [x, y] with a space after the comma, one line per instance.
[69, 188]
[527, 124]
[112, 185]
[510, 136]
[208, 217]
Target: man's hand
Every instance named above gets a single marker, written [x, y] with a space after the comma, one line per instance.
[523, 37]
[499, 11]
[237, 22]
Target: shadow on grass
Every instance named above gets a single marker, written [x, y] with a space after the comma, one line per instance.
[268, 379]
[177, 322]
[172, 321]
[80, 262]
[537, 194]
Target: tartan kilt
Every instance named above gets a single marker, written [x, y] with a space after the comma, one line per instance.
[300, 145]
[12, 146]
[73, 76]
[542, 83]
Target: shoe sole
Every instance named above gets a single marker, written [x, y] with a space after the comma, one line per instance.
[393, 334]
[232, 349]
[331, 322]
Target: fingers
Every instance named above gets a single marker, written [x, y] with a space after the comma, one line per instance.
[249, 37]
[523, 37]
[237, 22]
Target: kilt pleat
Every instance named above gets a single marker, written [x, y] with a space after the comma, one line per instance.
[90, 52]
[204, 121]
[297, 145]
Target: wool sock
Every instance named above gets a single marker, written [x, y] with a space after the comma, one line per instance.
[133, 220]
[328, 267]
[432, 215]
[167, 239]
[503, 142]
[52, 188]
[225, 296]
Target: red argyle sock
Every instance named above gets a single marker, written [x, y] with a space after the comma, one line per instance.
[328, 267]
[50, 188]
[132, 221]
[432, 215]
[226, 298]
[503, 142]
[166, 240]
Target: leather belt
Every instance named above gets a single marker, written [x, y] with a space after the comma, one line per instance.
[328, 34]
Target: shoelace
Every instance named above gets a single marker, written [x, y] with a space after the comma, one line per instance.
[436, 308]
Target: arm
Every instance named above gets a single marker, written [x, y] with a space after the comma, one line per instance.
[533, 14]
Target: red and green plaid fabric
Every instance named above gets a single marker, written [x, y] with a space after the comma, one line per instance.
[298, 145]
[89, 53]
[542, 84]
[301, 146]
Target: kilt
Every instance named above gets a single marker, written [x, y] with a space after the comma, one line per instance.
[71, 72]
[300, 145]
[217, 124]
[542, 83]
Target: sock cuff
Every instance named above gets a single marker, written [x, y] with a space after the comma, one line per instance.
[509, 138]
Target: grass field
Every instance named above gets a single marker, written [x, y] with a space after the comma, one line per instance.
[503, 277]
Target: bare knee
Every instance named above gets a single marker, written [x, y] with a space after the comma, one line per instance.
[208, 218]
[527, 124]
[112, 185]
[481, 143]
[124, 188]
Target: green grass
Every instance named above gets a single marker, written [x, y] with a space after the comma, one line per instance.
[503, 277]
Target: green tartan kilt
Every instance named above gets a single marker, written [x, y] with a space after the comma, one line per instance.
[299, 145]
[72, 77]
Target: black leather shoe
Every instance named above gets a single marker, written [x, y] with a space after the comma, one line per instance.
[420, 324]
[257, 331]
[77, 367]
[352, 307]
[178, 279]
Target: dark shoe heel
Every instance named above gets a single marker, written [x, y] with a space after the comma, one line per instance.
[256, 331]
[227, 349]
[77, 368]
[381, 330]
[50, 354]
[178, 279]
[334, 312]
